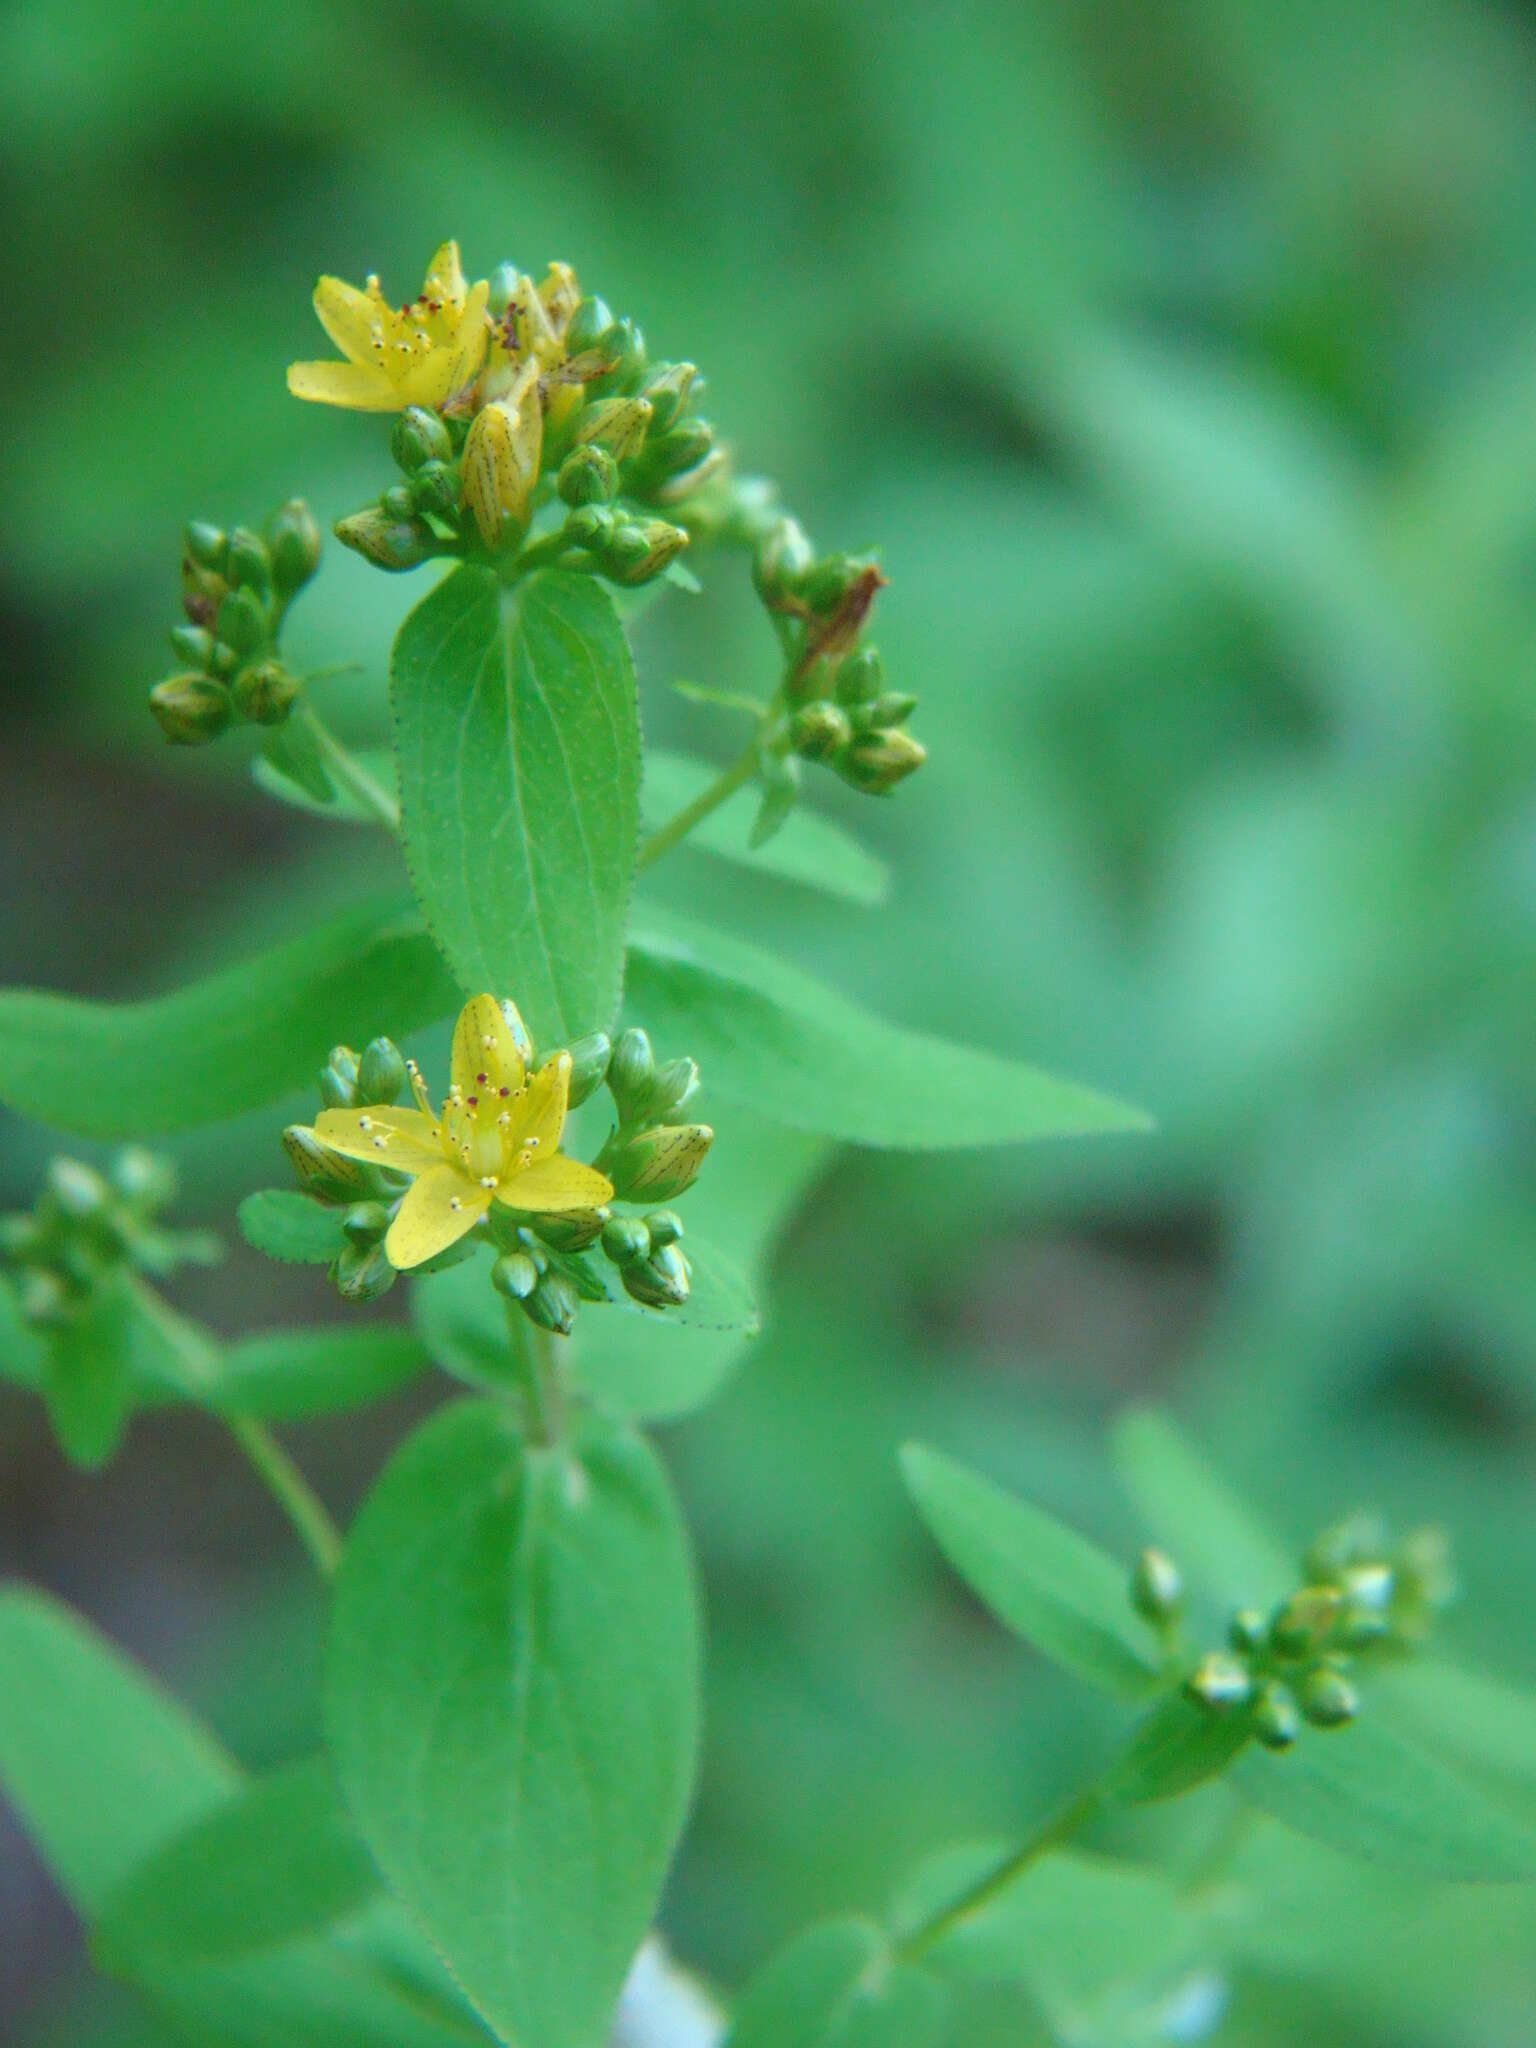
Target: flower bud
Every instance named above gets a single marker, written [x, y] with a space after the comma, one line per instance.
[202, 592]
[630, 1071]
[670, 1088]
[683, 448]
[293, 540]
[506, 281]
[1157, 1590]
[264, 693]
[207, 545]
[338, 1078]
[624, 345]
[1302, 1624]
[1247, 1631]
[515, 1275]
[636, 553]
[667, 387]
[362, 1272]
[501, 458]
[20, 1239]
[590, 526]
[78, 1189]
[194, 644]
[589, 475]
[144, 1178]
[877, 761]
[626, 1238]
[617, 424]
[1219, 1681]
[322, 1171]
[589, 1067]
[398, 502]
[783, 556]
[861, 677]
[818, 730]
[573, 1231]
[687, 481]
[588, 326]
[224, 660]
[665, 1227]
[380, 1072]
[243, 622]
[43, 1297]
[1328, 1699]
[392, 544]
[365, 1222]
[419, 436]
[829, 581]
[661, 1281]
[248, 565]
[552, 1304]
[1356, 1540]
[660, 1165]
[190, 710]
[890, 708]
[437, 488]
[1275, 1720]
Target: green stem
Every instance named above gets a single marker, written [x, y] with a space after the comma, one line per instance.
[538, 1377]
[1049, 1835]
[291, 1490]
[725, 784]
[349, 772]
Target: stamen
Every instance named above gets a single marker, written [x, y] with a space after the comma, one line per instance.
[454, 1202]
[487, 1180]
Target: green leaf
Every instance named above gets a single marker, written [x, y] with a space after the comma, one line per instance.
[281, 1859]
[87, 1384]
[518, 739]
[292, 1227]
[806, 849]
[289, 1375]
[235, 1042]
[767, 1035]
[837, 1986]
[23, 1354]
[513, 1703]
[1040, 1578]
[102, 1767]
[1199, 1519]
[1373, 1793]
[1483, 1723]
[1178, 1746]
[292, 767]
[277, 777]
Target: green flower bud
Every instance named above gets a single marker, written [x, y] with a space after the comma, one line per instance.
[1302, 1624]
[1219, 1682]
[589, 1067]
[248, 565]
[365, 1222]
[419, 436]
[672, 1086]
[573, 1231]
[243, 622]
[818, 730]
[660, 1165]
[636, 553]
[783, 557]
[687, 481]
[207, 545]
[293, 539]
[194, 644]
[890, 708]
[1367, 1591]
[1328, 1699]
[661, 1281]
[380, 1072]
[1358, 1539]
[1247, 1631]
[1157, 1590]
[665, 1227]
[588, 326]
[144, 1178]
[338, 1079]
[590, 526]
[264, 693]
[515, 1275]
[626, 1238]
[224, 660]
[1275, 1719]
[42, 1298]
[392, 544]
[20, 1239]
[202, 592]
[506, 281]
[877, 761]
[624, 346]
[190, 710]
[830, 580]
[398, 502]
[323, 1172]
[362, 1273]
[861, 677]
[78, 1189]
[683, 448]
[667, 388]
[617, 424]
[589, 475]
[552, 1304]
[631, 1069]
[436, 488]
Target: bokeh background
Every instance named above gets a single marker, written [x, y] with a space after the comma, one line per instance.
[1182, 362]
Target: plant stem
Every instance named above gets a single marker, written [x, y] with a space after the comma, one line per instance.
[291, 1490]
[1049, 1835]
[350, 772]
[725, 785]
[538, 1376]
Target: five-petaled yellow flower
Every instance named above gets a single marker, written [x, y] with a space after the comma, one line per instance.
[420, 354]
[497, 1139]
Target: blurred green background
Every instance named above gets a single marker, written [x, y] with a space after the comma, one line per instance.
[1182, 362]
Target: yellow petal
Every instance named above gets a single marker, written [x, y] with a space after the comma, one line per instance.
[487, 470]
[485, 1057]
[445, 276]
[359, 385]
[403, 1139]
[538, 1114]
[436, 1212]
[555, 1186]
[350, 317]
[454, 361]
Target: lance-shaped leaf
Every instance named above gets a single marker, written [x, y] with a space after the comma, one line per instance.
[839, 1986]
[767, 1035]
[234, 1042]
[1040, 1578]
[513, 1705]
[517, 737]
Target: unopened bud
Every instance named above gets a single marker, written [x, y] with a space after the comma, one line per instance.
[630, 1071]
[419, 436]
[78, 1189]
[667, 387]
[670, 1087]
[506, 282]
[636, 553]
[392, 544]
[617, 424]
[322, 1171]
[861, 677]
[687, 481]
[683, 448]
[552, 1304]
[338, 1078]
[294, 544]
[515, 1275]
[1219, 1681]
[1328, 1699]
[818, 730]
[588, 326]
[624, 345]
[661, 1281]
[264, 693]
[398, 501]
[144, 1178]
[1275, 1720]
[362, 1272]
[1248, 1630]
[1157, 1590]
[665, 1227]
[890, 708]
[590, 526]
[207, 545]
[877, 761]
[190, 710]
[572, 1231]
[1303, 1623]
[243, 622]
[365, 1222]
[437, 488]
[1358, 1539]
[783, 556]
[380, 1072]
[589, 1067]
[660, 1165]
[589, 475]
[248, 565]
[626, 1238]
[42, 1297]
[194, 644]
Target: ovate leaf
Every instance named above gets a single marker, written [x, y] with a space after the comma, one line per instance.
[1197, 1516]
[838, 1986]
[1040, 1578]
[292, 1227]
[232, 1043]
[513, 1706]
[87, 1385]
[289, 1375]
[767, 1035]
[518, 741]
[806, 849]
[1176, 1747]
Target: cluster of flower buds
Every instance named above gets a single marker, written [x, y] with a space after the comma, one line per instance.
[235, 589]
[1362, 1595]
[88, 1227]
[368, 1194]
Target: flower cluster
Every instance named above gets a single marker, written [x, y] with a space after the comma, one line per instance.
[235, 589]
[1362, 1596]
[421, 1184]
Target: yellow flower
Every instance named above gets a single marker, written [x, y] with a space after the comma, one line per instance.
[497, 1139]
[419, 355]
